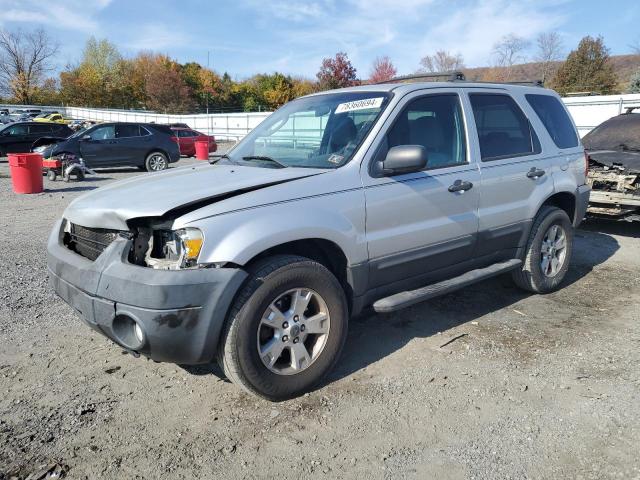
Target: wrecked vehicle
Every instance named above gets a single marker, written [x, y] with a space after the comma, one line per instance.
[613, 150]
[381, 195]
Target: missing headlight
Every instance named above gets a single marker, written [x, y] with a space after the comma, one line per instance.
[166, 249]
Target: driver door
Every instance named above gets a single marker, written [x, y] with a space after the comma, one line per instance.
[419, 224]
[99, 149]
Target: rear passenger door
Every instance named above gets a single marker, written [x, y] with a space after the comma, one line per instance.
[516, 174]
[131, 145]
[419, 223]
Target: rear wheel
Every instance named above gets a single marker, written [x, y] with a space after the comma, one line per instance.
[286, 328]
[52, 175]
[156, 162]
[548, 252]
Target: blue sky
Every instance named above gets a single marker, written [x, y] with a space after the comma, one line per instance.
[251, 36]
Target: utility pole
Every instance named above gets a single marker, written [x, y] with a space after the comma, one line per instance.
[207, 92]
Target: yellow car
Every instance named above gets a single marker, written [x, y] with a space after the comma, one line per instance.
[52, 118]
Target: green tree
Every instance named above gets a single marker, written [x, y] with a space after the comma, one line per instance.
[101, 79]
[587, 69]
[634, 83]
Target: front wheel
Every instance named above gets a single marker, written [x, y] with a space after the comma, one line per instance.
[156, 162]
[286, 329]
[548, 252]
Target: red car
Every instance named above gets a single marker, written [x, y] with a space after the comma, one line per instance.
[187, 138]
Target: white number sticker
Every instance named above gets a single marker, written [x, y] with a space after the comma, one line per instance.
[363, 104]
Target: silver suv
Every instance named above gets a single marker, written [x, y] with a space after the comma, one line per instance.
[382, 195]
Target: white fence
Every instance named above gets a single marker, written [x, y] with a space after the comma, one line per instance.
[228, 126]
[587, 113]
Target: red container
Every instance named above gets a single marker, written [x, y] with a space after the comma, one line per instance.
[202, 149]
[26, 172]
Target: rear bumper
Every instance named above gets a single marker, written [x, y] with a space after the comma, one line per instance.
[180, 313]
[582, 202]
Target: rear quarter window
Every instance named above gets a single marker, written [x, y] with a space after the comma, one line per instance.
[555, 119]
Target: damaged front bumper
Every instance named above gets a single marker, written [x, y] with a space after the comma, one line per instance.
[178, 314]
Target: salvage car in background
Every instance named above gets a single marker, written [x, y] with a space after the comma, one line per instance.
[52, 118]
[187, 139]
[145, 145]
[19, 136]
[613, 151]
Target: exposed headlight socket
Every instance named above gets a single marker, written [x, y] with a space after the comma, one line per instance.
[174, 249]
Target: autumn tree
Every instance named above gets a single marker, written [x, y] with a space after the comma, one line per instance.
[303, 86]
[587, 69]
[508, 51]
[25, 58]
[549, 50]
[382, 70]
[441, 61]
[337, 72]
[165, 88]
[101, 79]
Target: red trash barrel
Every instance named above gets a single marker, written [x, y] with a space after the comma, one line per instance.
[202, 149]
[26, 172]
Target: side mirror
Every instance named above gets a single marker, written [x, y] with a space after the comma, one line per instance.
[404, 159]
[85, 138]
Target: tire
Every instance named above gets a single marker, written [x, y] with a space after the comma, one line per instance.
[531, 276]
[156, 162]
[245, 330]
[52, 175]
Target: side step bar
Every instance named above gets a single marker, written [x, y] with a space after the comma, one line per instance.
[411, 297]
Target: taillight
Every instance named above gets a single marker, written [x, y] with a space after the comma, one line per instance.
[174, 139]
[586, 164]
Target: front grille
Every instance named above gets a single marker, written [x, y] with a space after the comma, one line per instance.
[90, 242]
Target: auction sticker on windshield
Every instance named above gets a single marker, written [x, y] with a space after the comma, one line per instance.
[363, 104]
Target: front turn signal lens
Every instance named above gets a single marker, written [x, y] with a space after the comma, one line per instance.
[192, 240]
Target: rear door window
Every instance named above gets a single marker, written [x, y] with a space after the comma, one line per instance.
[127, 131]
[40, 129]
[555, 119]
[503, 129]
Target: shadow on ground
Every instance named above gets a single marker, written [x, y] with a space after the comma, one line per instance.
[373, 336]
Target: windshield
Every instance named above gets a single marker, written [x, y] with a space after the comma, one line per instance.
[322, 131]
[79, 133]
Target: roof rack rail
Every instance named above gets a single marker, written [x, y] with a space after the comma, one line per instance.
[533, 83]
[453, 76]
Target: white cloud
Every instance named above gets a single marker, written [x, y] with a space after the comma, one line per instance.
[73, 15]
[473, 31]
[405, 30]
[155, 36]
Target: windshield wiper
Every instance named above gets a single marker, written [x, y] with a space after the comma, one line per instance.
[216, 158]
[265, 159]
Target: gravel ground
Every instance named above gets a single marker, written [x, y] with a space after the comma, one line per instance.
[531, 387]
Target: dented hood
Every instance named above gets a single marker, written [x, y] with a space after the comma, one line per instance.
[175, 191]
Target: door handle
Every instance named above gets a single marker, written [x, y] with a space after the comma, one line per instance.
[535, 173]
[460, 186]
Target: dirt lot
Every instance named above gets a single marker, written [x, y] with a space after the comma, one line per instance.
[537, 386]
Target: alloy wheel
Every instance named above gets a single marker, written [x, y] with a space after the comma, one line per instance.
[553, 251]
[293, 331]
